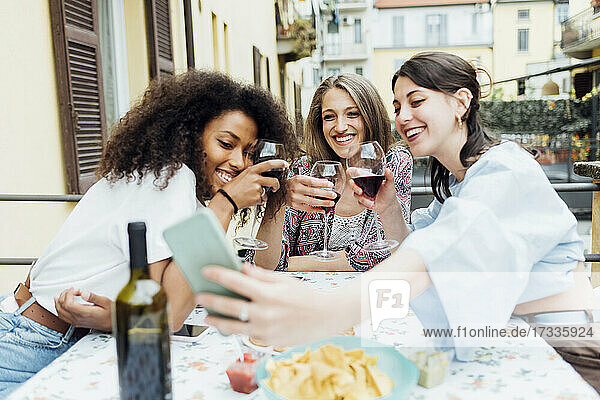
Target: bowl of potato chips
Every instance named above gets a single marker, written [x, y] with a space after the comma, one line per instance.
[341, 367]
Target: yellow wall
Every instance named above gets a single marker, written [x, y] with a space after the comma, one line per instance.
[137, 48]
[249, 23]
[31, 158]
[508, 62]
[384, 60]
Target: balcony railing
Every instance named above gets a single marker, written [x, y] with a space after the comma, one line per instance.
[415, 191]
[351, 4]
[345, 50]
[581, 33]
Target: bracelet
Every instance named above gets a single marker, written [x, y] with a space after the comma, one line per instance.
[228, 197]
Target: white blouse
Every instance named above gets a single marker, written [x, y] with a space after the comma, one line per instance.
[504, 237]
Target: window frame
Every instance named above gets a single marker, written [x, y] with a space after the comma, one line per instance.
[525, 31]
[521, 18]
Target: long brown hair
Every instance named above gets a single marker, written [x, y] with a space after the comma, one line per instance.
[447, 73]
[371, 108]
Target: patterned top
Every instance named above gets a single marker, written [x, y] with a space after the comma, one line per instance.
[345, 230]
[303, 231]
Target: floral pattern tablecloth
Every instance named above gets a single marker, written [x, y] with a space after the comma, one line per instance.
[516, 371]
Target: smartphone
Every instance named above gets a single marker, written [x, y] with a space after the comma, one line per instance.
[199, 241]
[190, 332]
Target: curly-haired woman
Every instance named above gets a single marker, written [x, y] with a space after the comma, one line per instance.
[345, 111]
[187, 141]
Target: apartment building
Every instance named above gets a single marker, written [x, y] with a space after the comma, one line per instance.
[406, 27]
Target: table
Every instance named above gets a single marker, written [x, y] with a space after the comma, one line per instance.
[516, 371]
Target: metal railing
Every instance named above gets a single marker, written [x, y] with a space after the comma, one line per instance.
[415, 191]
[583, 27]
[345, 49]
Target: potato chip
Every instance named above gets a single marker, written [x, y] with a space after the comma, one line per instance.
[328, 373]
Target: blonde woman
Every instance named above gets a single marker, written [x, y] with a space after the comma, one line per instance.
[346, 110]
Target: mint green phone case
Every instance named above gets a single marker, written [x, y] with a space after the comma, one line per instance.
[200, 241]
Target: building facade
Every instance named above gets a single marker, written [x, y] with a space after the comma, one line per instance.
[581, 40]
[527, 32]
[346, 37]
[407, 27]
[79, 65]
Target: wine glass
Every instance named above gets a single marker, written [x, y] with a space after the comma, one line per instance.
[264, 150]
[334, 173]
[366, 167]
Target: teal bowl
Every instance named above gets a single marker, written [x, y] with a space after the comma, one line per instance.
[403, 372]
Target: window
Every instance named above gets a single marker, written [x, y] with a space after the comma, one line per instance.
[332, 27]
[316, 78]
[358, 70]
[357, 31]
[215, 41]
[398, 31]
[189, 33]
[523, 40]
[562, 12]
[257, 62]
[436, 29]
[80, 89]
[520, 87]
[475, 23]
[113, 49]
[226, 46]
[333, 71]
[522, 15]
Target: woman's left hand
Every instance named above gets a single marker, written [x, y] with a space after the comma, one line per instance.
[95, 316]
[281, 310]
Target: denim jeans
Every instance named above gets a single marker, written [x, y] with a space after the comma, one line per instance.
[26, 347]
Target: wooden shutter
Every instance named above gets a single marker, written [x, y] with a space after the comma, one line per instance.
[158, 29]
[80, 93]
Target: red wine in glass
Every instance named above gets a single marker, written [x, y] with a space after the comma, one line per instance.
[369, 184]
[366, 167]
[264, 150]
[273, 173]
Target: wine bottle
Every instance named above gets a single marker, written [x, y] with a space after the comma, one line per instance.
[141, 328]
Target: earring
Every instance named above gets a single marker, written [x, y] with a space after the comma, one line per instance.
[460, 121]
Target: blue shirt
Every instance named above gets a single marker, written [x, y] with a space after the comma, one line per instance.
[484, 246]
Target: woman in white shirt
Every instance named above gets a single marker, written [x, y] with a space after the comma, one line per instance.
[186, 142]
[496, 240]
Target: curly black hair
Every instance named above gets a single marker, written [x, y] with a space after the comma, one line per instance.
[164, 129]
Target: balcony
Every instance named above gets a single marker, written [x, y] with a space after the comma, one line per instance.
[338, 51]
[581, 34]
[351, 4]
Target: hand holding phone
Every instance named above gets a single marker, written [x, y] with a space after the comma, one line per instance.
[199, 241]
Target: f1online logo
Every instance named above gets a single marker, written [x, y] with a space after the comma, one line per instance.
[389, 299]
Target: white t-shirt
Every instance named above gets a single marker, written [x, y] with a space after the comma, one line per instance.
[91, 249]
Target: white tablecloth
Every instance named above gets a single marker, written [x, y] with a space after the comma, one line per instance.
[514, 371]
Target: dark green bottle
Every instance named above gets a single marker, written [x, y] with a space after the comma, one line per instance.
[141, 328]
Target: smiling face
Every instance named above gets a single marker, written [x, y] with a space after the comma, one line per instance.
[425, 118]
[343, 125]
[227, 142]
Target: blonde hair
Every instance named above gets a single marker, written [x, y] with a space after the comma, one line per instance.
[370, 105]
